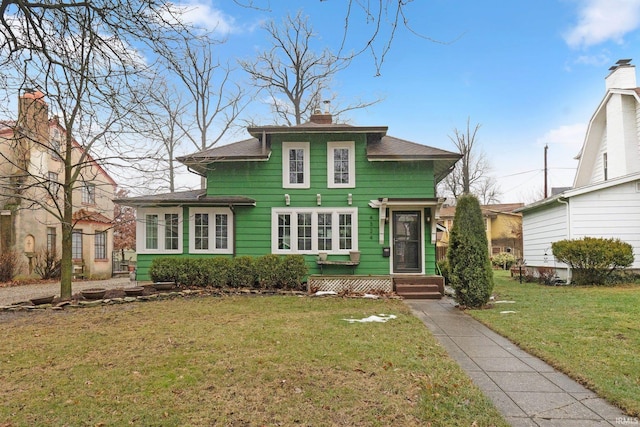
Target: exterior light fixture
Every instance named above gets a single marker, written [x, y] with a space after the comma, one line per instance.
[287, 200]
[350, 199]
[319, 199]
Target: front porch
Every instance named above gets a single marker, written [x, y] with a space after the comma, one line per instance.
[413, 287]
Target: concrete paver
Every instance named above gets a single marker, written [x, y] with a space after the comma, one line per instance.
[526, 390]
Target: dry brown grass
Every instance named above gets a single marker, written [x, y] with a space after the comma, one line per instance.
[232, 361]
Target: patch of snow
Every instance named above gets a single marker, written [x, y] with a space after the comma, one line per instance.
[505, 302]
[508, 312]
[323, 293]
[371, 296]
[380, 319]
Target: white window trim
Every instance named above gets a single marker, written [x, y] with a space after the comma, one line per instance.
[286, 146]
[212, 230]
[331, 146]
[141, 230]
[335, 230]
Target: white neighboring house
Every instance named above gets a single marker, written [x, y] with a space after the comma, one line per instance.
[605, 198]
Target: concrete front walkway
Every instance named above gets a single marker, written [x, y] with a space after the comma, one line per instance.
[526, 390]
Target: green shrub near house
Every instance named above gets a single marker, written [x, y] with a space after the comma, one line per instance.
[470, 274]
[593, 260]
[266, 272]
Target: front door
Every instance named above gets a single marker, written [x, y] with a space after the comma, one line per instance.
[407, 246]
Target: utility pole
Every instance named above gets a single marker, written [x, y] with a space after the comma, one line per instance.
[546, 148]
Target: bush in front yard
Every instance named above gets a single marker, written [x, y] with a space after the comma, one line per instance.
[292, 271]
[503, 260]
[165, 269]
[218, 271]
[470, 273]
[243, 272]
[593, 259]
[46, 264]
[268, 271]
[192, 272]
[9, 265]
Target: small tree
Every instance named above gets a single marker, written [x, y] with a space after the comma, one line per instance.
[592, 259]
[470, 267]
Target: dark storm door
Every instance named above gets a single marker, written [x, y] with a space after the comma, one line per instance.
[407, 247]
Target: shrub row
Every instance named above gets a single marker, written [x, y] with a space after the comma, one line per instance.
[265, 272]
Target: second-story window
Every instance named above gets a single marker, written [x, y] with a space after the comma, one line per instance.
[53, 184]
[89, 193]
[604, 166]
[341, 164]
[295, 165]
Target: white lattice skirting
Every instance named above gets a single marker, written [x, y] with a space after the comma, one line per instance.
[356, 284]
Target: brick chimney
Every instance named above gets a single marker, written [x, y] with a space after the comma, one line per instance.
[622, 76]
[33, 116]
[321, 118]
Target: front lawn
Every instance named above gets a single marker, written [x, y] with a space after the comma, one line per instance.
[232, 361]
[590, 333]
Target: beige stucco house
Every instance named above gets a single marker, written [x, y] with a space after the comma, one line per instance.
[31, 171]
[503, 227]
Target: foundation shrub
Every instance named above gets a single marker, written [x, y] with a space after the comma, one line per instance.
[292, 270]
[593, 260]
[243, 272]
[218, 271]
[268, 270]
[165, 269]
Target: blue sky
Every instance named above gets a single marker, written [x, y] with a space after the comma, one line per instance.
[530, 72]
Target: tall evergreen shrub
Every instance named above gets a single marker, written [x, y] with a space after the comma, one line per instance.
[470, 266]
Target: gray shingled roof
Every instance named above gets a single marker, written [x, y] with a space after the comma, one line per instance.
[380, 147]
[249, 149]
[389, 148]
[191, 197]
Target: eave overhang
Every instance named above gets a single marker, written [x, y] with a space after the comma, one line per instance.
[190, 198]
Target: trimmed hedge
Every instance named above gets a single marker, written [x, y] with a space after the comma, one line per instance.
[593, 259]
[265, 272]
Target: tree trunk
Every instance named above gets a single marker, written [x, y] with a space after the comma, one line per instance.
[66, 262]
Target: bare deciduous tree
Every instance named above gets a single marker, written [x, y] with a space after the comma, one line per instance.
[383, 18]
[293, 75]
[470, 175]
[81, 55]
[216, 99]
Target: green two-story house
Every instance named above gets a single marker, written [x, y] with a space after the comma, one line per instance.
[320, 189]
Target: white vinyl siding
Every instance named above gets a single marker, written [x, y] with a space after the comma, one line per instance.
[159, 230]
[210, 230]
[309, 231]
[612, 212]
[296, 169]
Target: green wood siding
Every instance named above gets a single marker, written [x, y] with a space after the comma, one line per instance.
[262, 181]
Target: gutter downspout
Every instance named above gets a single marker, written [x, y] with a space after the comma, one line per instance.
[233, 211]
[565, 201]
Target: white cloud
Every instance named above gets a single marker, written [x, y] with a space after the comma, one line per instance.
[603, 20]
[570, 137]
[204, 16]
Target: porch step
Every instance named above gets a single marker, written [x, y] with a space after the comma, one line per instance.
[419, 287]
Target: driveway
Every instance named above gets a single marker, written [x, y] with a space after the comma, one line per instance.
[15, 294]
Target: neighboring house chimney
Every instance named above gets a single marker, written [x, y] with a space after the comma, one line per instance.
[622, 76]
[33, 116]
